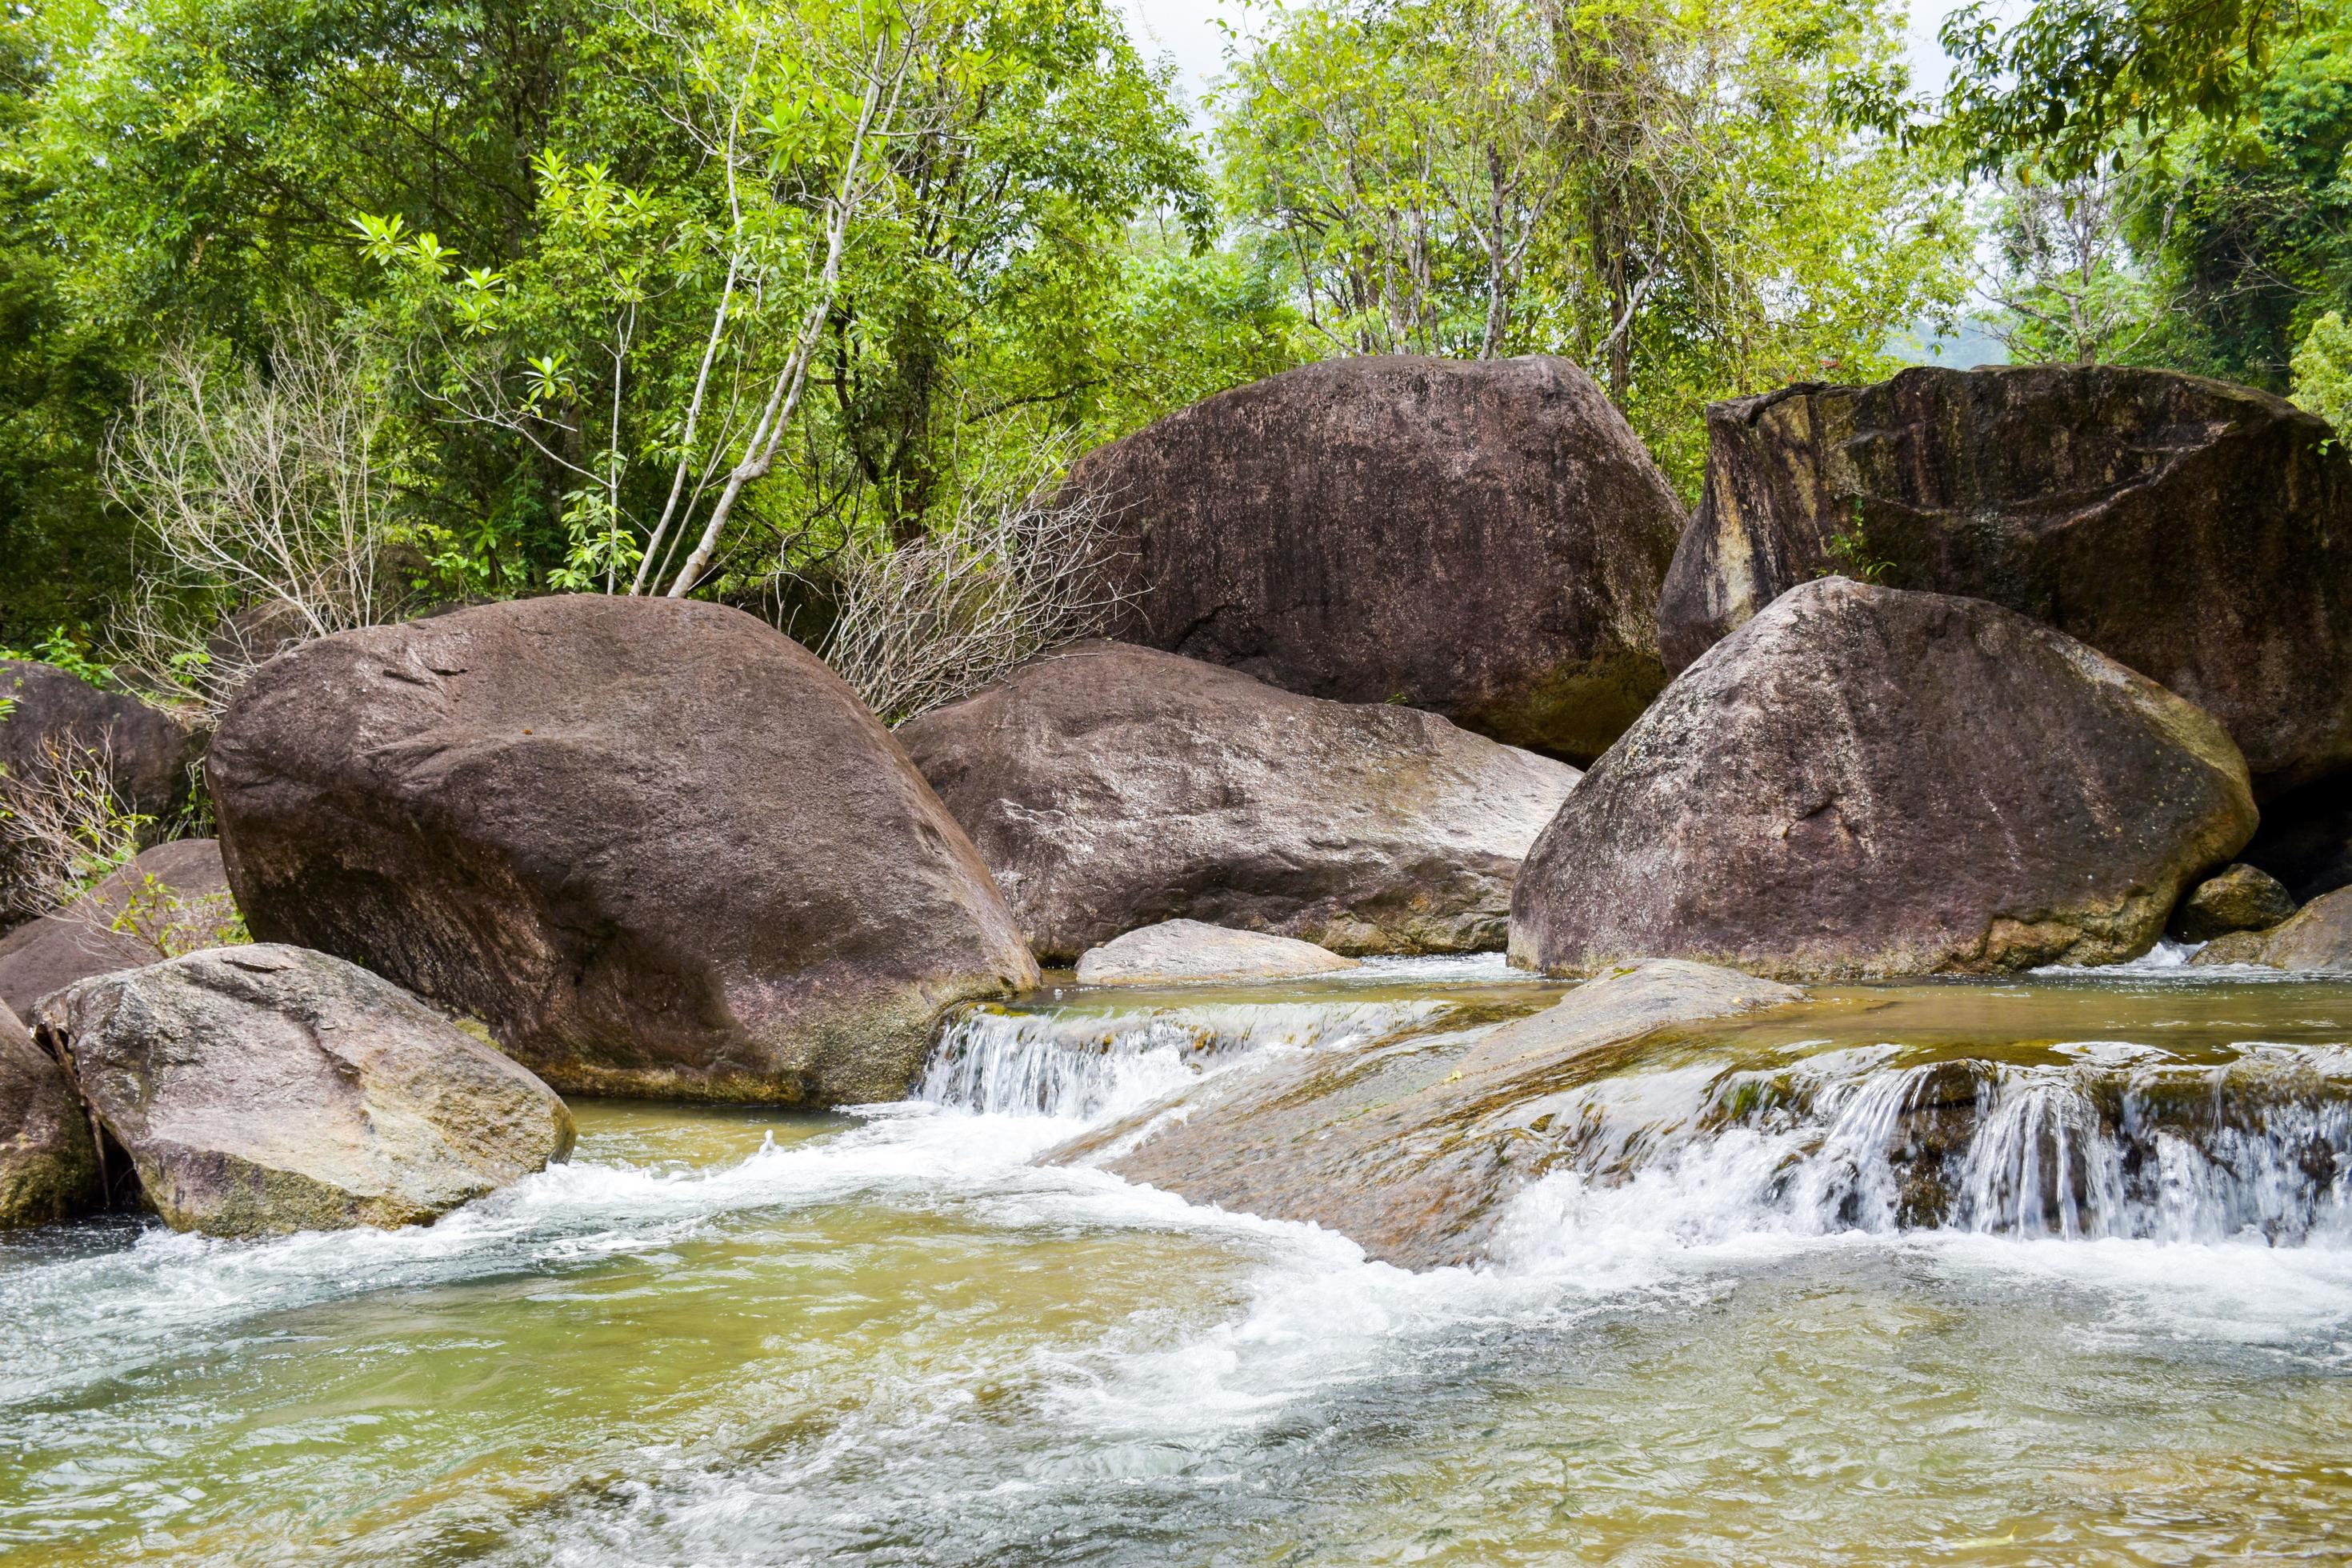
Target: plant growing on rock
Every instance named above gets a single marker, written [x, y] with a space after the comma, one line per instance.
[64, 827]
[1017, 573]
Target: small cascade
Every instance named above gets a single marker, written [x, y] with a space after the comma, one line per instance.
[1091, 1065]
[2125, 1141]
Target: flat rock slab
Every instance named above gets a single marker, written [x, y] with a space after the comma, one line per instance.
[1188, 951]
[176, 892]
[2199, 532]
[48, 1159]
[1485, 540]
[1110, 787]
[1413, 1150]
[1864, 782]
[268, 1089]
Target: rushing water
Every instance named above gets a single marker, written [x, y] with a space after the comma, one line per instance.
[2047, 1272]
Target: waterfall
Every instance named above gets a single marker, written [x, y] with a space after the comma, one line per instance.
[1091, 1065]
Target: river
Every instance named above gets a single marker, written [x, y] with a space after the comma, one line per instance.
[2108, 1321]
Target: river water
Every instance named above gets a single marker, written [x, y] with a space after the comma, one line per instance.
[2054, 1271]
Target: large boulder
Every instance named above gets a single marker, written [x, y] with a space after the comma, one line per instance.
[2318, 939]
[172, 899]
[1485, 540]
[267, 1088]
[1413, 1151]
[1111, 787]
[48, 716]
[654, 845]
[1867, 781]
[1184, 950]
[48, 1160]
[2199, 532]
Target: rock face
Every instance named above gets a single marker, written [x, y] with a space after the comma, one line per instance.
[1485, 540]
[1413, 1152]
[1865, 782]
[2319, 938]
[1188, 950]
[267, 1088]
[654, 845]
[174, 895]
[2240, 899]
[1111, 787]
[48, 1161]
[2199, 532]
[148, 751]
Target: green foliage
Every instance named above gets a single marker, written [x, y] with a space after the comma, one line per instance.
[62, 650]
[2323, 371]
[1850, 551]
[173, 923]
[2073, 80]
[1670, 195]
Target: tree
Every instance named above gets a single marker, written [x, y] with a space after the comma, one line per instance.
[1669, 194]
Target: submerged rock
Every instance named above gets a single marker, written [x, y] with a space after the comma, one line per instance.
[654, 845]
[1865, 782]
[268, 1089]
[2240, 898]
[1188, 950]
[174, 896]
[1485, 540]
[1413, 1150]
[2319, 938]
[1111, 787]
[48, 1161]
[2199, 532]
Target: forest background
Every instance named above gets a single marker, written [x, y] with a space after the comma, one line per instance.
[315, 312]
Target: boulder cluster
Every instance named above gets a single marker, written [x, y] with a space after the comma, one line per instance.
[1964, 673]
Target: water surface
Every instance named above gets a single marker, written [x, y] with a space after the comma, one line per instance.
[887, 1337]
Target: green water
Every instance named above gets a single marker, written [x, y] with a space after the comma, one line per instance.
[730, 1338]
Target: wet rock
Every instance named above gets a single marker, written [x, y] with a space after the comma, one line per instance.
[146, 750]
[2240, 899]
[1188, 950]
[2319, 938]
[267, 1088]
[2199, 532]
[1483, 540]
[172, 899]
[48, 1161]
[1111, 787]
[1865, 782]
[1414, 1150]
[654, 845]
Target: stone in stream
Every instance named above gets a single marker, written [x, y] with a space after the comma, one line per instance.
[654, 845]
[2238, 898]
[48, 1160]
[1485, 540]
[1111, 787]
[268, 1089]
[2199, 532]
[1413, 1150]
[2319, 938]
[174, 896]
[1188, 950]
[1867, 781]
